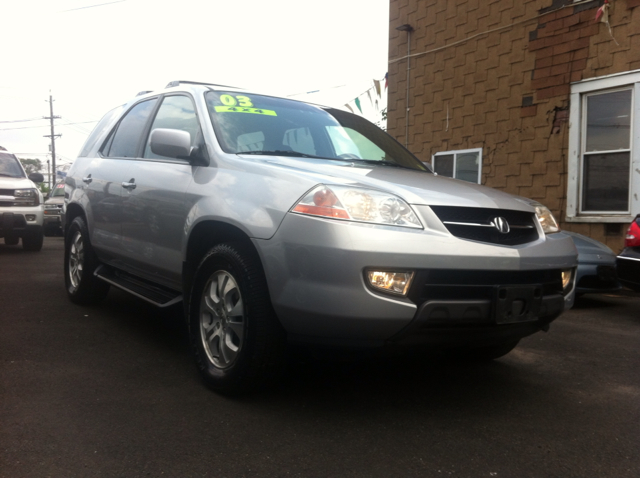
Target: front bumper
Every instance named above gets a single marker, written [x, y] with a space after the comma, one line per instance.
[315, 270]
[18, 221]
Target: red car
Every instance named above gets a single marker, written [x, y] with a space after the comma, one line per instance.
[628, 262]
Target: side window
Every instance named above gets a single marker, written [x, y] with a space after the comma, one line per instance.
[465, 165]
[124, 143]
[175, 112]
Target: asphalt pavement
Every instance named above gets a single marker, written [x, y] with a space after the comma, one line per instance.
[111, 391]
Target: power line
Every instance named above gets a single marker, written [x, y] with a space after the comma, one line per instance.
[91, 6]
[46, 126]
[21, 120]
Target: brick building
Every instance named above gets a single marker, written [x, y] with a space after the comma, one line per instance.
[534, 97]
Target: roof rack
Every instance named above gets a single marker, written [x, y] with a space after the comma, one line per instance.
[144, 92]
[180, 82]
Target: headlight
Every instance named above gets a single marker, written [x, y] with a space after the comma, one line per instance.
[355, 204]
[567, 276]
[26, 197]
[545, 218]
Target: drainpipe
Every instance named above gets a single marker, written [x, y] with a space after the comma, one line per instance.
[407, 28]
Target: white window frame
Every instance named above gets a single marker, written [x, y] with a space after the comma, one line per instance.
[579, 90]
[455, 160]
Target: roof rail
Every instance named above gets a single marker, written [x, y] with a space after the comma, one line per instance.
[144, 92]
[180, 82]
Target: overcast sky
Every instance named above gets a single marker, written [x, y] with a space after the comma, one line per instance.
[93, 55]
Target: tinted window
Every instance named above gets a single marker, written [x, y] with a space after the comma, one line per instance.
[176, 112]
[102, 124]
[126, 140]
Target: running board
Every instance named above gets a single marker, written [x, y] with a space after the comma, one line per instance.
[147, 291]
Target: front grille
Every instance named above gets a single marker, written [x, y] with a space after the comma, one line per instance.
[452, 284]
[475, 224]
[7, 192]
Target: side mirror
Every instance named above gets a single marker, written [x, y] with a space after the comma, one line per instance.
[172, 143]
[36, 177]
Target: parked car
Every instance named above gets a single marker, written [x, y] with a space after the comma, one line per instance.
[629, 258]
[53, 209]
[21, 210]
[278, 221]
[596, 271]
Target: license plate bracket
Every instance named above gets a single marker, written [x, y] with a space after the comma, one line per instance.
[517, 303]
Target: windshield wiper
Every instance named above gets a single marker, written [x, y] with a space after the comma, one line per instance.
[278, 152]
[8, 175]
[382, 163]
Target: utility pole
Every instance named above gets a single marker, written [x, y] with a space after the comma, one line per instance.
[53, 142]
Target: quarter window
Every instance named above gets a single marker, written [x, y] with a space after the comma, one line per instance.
[465, 164]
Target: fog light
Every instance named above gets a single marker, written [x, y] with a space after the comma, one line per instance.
[391, 281]
[30, 217]
[567, 275]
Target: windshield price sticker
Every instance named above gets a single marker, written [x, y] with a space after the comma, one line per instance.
[238, 109]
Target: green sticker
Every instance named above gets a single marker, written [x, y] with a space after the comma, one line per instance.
[240, 109]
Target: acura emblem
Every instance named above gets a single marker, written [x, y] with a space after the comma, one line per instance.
[501, 224]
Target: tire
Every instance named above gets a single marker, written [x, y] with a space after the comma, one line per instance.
[32, 241]
[491, 352]
[237, 341]
[11, 240]
[80, 262]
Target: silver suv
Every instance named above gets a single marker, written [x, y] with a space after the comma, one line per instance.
[21, 210]
[276, 221]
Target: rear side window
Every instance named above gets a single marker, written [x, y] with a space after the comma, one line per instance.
[125, 141]
[95, 134]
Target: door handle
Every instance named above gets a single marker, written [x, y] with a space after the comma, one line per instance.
[129, 185]
[87, 179]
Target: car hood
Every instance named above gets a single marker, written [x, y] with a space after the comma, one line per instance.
[55, 200]
[414, 186]
[16, 183]
[590, 250]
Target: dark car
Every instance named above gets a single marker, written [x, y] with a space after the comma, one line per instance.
[596, 271]
[52, 210]
[629, 259]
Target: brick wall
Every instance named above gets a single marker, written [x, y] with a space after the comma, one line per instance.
[495, 74]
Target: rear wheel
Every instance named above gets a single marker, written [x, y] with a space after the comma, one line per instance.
[237, 340]
[80, 262]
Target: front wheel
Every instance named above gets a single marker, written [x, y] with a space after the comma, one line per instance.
[80, 263]
[236, 338]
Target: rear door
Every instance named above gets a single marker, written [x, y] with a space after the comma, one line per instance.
[153, 230]
[105, 176]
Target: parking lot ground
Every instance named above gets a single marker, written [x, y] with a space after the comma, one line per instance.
[111, 391]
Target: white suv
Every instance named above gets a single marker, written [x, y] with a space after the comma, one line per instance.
[21, 204]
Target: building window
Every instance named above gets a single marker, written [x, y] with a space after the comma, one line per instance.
[603, 185]
[464, 164]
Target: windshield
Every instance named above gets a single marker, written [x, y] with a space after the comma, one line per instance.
[255, 124]
[58, 191]
[10, 167]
